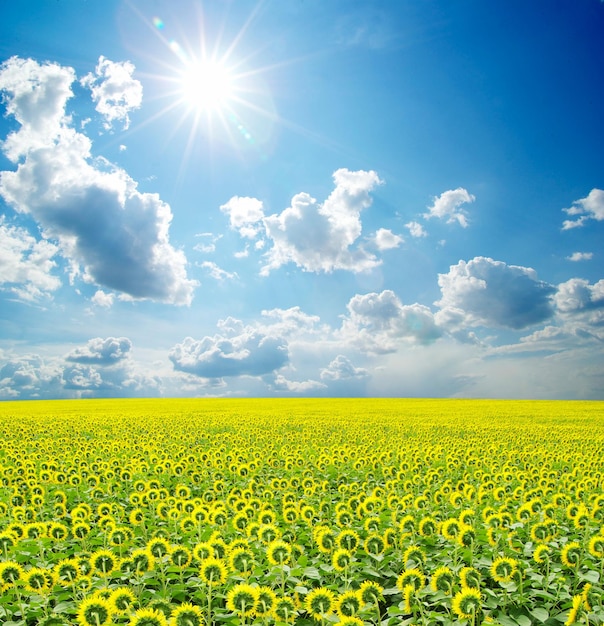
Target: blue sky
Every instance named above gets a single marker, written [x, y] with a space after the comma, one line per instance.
[285, 198]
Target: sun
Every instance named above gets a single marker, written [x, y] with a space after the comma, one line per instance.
[207, 86]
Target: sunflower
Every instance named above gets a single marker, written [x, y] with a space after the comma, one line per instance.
[470, 577]
[80, 529]
[241, 599]
[370, 592]
[542, 553]
[122, 599]
[66, 571]
[571, 554]
[10, 573]
[414, 554]
[466, 536]
[325, 539]
[450, 529]
[411, 577]
[341, 559]
[427, 526]
[57, 531]
[596, 546]
[574, 610]
[268, 533]
[142, 560]
[119, 536]
[503, 569]
[348, 604]
[467, 603]
[213, 571]
[408, 591]
[103, 562]
[148, 617]
[541, 532]
[442, 580]
[348, 539]
[319, 602]
[158, 547]
[265, 602]
[285, 609]
[94, 611]
[186, 615]
[35, 580]
[278, 552]
[374, 543]
[180, 556]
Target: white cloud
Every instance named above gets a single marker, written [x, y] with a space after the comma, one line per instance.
[26, 263]
[209, 247]
[283, 384]
[341, 368]
[105, 226]
[580, 256]
[591, 207]
[581, 300]
[114, 91]
[249, 353]
[379, 323]
[102, 299]
[245, 215]
[101, 351]
[385, 239]
[217, 272]
[490, 293]
[416, 229]
[320, 237]
[82, 378]
[448, 206]
[29, 376]
[291, 322]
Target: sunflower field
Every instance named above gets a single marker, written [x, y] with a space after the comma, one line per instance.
[308, 512]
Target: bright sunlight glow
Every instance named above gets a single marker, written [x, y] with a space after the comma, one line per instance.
[207, 86]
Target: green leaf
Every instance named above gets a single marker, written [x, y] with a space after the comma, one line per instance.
[504, 620]
[312, 572]
[539, 614]
[523, 620]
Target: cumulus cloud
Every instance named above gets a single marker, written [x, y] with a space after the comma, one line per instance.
[385, 239]
[577, 296]
[245, 215]
[304, 386]
[588, 208]
[249, 353]
[484, 292]
[291, 322]
[320, 237]
[379, 323]
[29, 376]
[26, 263]
[114, 91]
[416, 229]
[115, 235]
[102, 299]
[449, 204]
[341, 368]
[580, 256]
[102, 351]
[82, 378]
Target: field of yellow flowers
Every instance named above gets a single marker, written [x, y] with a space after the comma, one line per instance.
[276, 512]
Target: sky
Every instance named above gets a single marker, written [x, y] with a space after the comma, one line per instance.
[302, 198]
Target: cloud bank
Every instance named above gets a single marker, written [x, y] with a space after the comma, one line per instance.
[111, 234]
